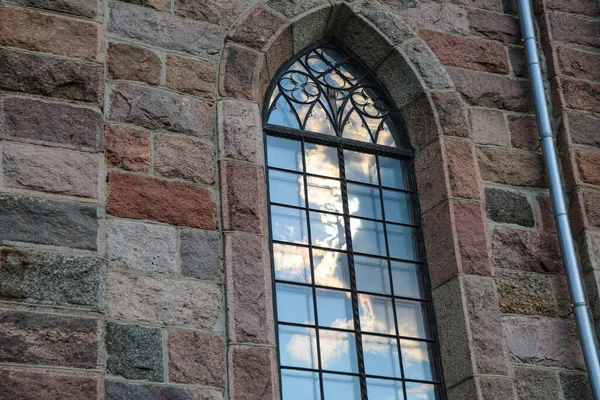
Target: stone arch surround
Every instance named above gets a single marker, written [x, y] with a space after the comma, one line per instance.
[450, 190]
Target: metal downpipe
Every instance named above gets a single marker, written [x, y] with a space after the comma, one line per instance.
[581, 311]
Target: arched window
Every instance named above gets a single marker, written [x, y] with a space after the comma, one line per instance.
[353, 302]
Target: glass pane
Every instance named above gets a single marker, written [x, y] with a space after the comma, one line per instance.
[360, 167]
[284, 153]
[376, 314]
[402, 242]
[385, 136]
[291, 263]
[321, 160]
[406, 278]
[295, 304]
[356, 129]
[289, 225]
[364, 201]
[298, 347]
[283, 115]
[300, 385]
[420, 391]
[367, 237]
[341, 387]
[384, 389]
[338, 351]
[331, 269]
[335, 309]
[286, 188]
[395, 173]
[399, 207]
[411, 319]
[324, 194]
[318, 121]
[381, 356]
[372, 274]
[416, 358]
[327, 230]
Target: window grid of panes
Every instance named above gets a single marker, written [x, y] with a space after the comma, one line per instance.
[354, 313]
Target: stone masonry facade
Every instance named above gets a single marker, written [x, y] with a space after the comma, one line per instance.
[134, 244]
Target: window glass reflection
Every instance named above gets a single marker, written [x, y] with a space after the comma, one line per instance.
[300, 385]
[331, 269]
[411, 319]
[338, 351]
[284, 153]
[334, 309]
[324, 194]
[321, 160]
[395, 173]
[327, 230]
[298, 347]
[381, 356]
[286, 188]
[367, 237]
[420, 391]
[291, 263]
[364, 201]
[295, 304]
[416, 360]
[384, 389]
[372, 274]
[341, 387]
[361, 167]
[406, 279]
[376, 314]
[402, 242]
[289, 225]
[399, 207]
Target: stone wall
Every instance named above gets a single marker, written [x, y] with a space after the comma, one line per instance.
[134, 257]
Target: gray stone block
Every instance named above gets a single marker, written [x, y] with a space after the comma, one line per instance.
[426, 63]
[395, 30]
[400, 79]
[575, 386]
[537, 384]
[293, 8]
[84, 8]
[508, 207]
[310, 28]
[134, 352]
[51, 278]
[128, 391]
[200, 254]
[48, 222]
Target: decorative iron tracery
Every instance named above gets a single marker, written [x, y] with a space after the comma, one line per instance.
[335, 144]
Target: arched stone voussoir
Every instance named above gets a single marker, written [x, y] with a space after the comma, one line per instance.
[243, 73]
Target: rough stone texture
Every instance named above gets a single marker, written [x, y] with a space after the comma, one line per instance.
[463, 179]
[141, 247]
[243, 197]
[134, 352]
[440, 17]
[51, 278]
[257, 27]
[160, 5]
[440, 242]
[578, 64]
[508, 207]
[252, 374]
[50, 33]
[547, 342]
[537, 384]
[128, 391]
[280, 49]
[587, 7]
[33, 384]
[526, 251]
[248, 289]
[200, 255]
[426, 63]
[588, 244]
[310, 27]
[242, 74]
[518, 61]
[584, 209]
[164, 30]
[50, 170]
[420, 122]
[183, 158]
[163, 301]
[128, 148]
[525, 293]
[493, 91]
[218, 12]
[488, 127]
[51, 124]
[240, 131]
[588, 165]
[399, 79]
[293, 8]
[191, 76]
[452, 114]
[581, 95]
[177, 203]
[48, 76]
[48, 222]
[389, 23]
[574, 29]
[429, 167]
[524, 132]
[487, 342]
[516, 168]
[42, 339]
[562, 297]
[84, 8]
[161, 109]
[493, 26]
[456, 51]
[575, 386]
[133, 63]
[584, 129]
[483, 388]
[196, 358]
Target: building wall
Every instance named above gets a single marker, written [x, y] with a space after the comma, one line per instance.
[133, 222]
